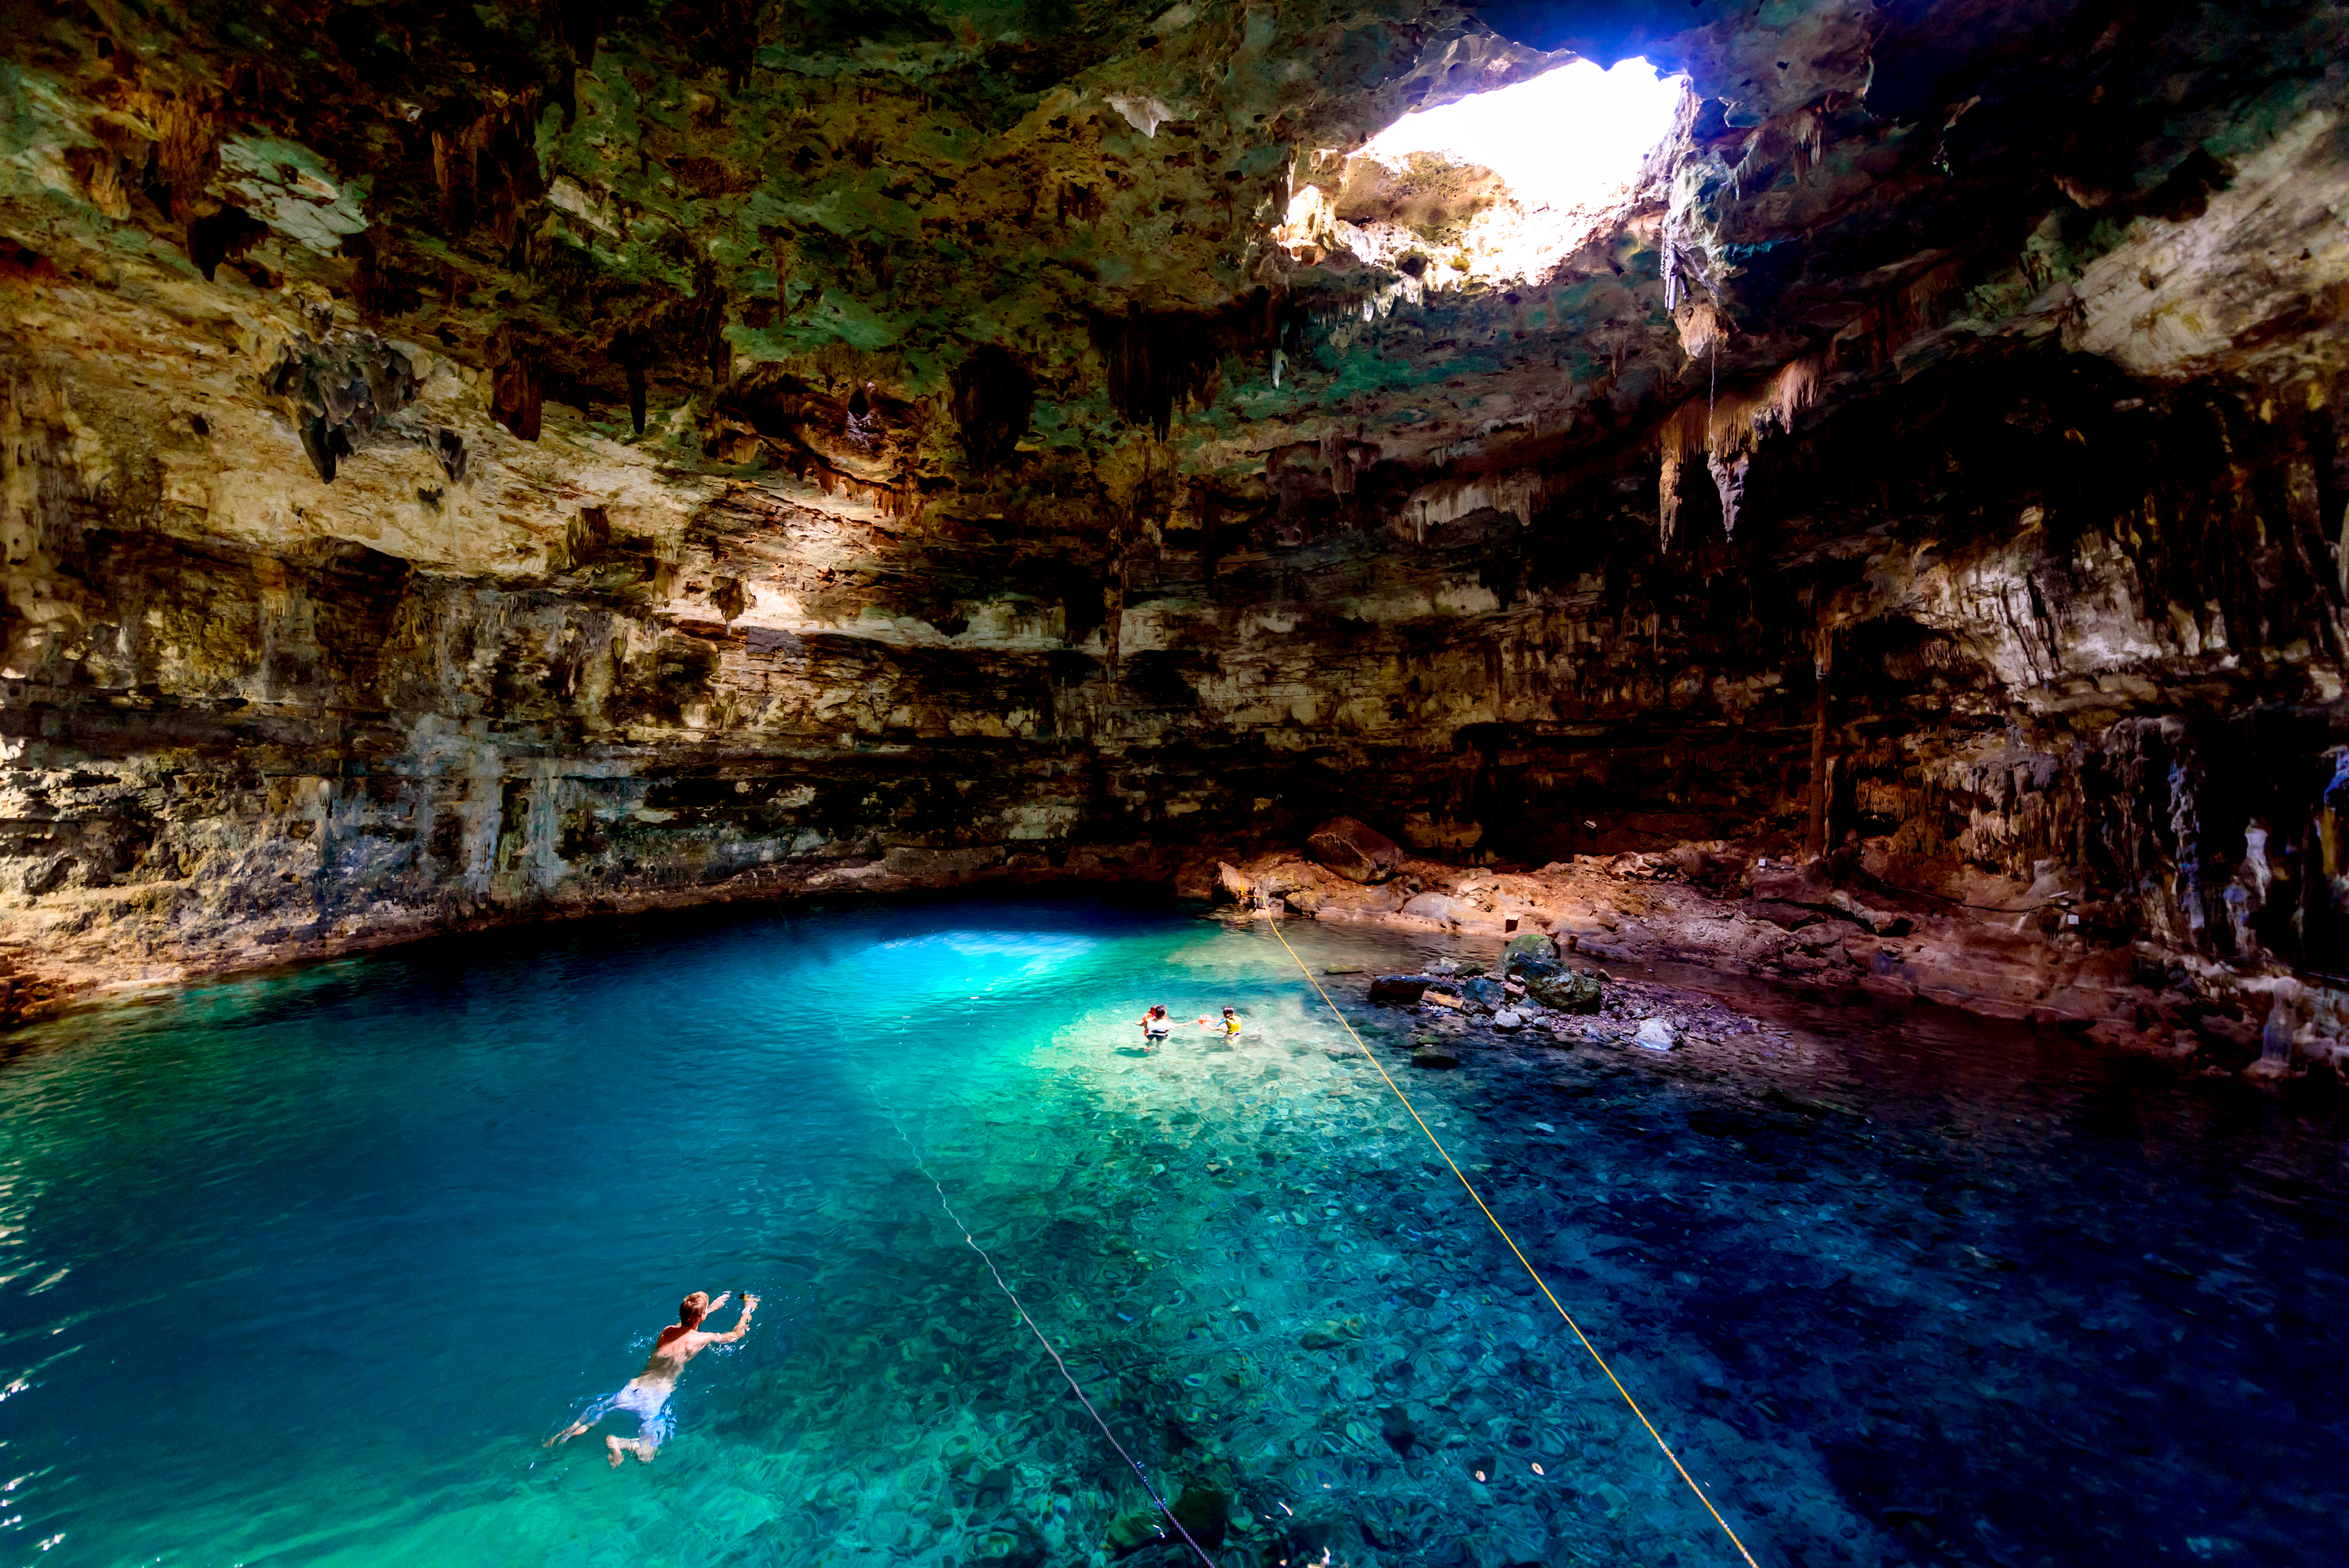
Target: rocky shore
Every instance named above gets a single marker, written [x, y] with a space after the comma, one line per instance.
[1531, 991]
[1833, 926]
[1575, 929]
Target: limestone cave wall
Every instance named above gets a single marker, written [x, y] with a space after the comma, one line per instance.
[587, 466]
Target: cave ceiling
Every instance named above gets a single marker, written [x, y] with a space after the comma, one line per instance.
[476, 285]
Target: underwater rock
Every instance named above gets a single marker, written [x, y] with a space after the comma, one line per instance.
[1397, 990]
[1354, 849]
[1567, 992]
[1206, 1514]
[1433, 1057]
[1134, 1529]
[1330, 1334]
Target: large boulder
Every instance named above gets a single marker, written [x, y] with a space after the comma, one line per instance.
[1399, 990]
[1532, 969]
[1530, 956]
[1439, 907]
[1195, 879]
[1529, 945]
[1355, 850]
[1566, 991]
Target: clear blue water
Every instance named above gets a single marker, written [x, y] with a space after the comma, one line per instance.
[303, 1269]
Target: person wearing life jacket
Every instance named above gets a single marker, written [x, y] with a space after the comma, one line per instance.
[1230, 1023]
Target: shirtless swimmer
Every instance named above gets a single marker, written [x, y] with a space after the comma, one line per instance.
[646, 1395]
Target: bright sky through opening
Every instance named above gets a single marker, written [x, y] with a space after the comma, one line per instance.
[1564, 138]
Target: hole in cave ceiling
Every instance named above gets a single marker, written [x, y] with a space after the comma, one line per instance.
[1491, 186]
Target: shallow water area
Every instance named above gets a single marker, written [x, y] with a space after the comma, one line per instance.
[305, 1268]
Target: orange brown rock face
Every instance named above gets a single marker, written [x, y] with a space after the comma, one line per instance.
[456, 470]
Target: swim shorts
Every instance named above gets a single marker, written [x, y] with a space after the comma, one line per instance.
[650, 1407]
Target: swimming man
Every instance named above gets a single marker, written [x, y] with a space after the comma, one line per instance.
[646, 1395]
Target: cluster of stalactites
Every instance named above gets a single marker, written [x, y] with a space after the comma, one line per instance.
[1726, 427]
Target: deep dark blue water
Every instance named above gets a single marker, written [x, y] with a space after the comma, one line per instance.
[304, 1269]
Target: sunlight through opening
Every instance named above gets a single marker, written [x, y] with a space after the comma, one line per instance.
[1492, 187]
[1567, 138]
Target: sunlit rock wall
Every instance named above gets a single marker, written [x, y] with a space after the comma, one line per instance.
[572, 467]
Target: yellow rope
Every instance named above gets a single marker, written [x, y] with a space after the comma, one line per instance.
[1504, 1230]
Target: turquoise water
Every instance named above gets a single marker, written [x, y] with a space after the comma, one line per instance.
[304, 1269]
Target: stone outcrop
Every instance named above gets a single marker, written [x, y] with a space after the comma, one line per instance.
[487, 467]
[1355, 850]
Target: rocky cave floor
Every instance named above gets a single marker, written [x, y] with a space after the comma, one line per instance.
[1833, 930]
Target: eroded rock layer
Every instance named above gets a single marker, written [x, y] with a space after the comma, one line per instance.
[463, 465]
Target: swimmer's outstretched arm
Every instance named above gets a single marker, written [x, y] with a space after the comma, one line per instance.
[741, 1325]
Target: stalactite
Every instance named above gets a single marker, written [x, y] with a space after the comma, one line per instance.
[1156, 362]
[339, 392]
[452, 175]
[701, 322]
[1726, 429]
[515, 396]
[223, 236]
[378, 289]
[485, 166]
[994, 396]
[1668, 480]
[187, 148]
[1729, 479]
[1815, 840]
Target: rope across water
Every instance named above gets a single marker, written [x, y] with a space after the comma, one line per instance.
[1050, 1348]
[1539, 1283]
